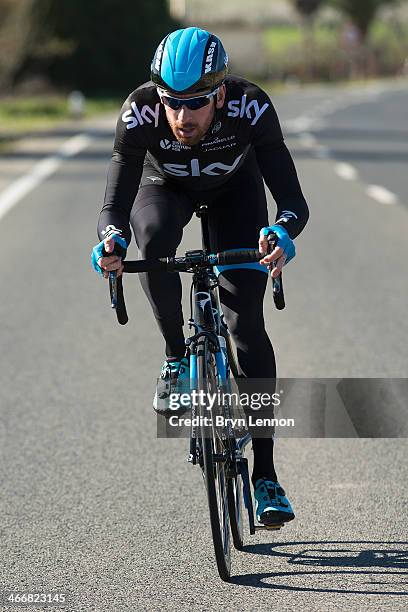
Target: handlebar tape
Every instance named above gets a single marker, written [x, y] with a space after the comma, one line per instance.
[235, 257]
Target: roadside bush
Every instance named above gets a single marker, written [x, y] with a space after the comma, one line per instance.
[389, 45]
[324, 55]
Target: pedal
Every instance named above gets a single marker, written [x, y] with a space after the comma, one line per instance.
[269, 527]
[274, 527]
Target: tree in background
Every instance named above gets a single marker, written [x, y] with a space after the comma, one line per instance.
[361, 12]
[101, 46]
[16, 35]
[308, 10]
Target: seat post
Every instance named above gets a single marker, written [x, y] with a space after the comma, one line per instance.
[201, 213]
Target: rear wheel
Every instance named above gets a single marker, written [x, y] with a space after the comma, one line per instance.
[235, 484]
[215, 466]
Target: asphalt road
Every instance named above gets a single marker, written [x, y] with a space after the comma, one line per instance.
[92, 503]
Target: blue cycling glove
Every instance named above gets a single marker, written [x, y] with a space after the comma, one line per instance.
[285, 242]
[97, 251]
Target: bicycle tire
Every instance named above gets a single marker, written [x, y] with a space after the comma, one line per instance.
[235, 508]
[214, 471]
[235, 484]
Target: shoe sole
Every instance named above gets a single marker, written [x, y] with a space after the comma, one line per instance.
[275, 517]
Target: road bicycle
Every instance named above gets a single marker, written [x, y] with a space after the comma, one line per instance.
[215, 445]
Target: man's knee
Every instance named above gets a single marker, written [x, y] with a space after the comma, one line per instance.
[246, 326]
[157, 238]
[159, 242]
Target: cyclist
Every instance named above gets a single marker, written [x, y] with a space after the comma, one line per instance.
[195, 134]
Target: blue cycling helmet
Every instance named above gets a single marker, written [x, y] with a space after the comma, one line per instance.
[189, 61]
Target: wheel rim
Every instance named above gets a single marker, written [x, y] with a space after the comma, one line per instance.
[216, 482]
[222, 498]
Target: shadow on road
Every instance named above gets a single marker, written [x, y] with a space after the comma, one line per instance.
[34, 155]
[331, 564]
[61, 132]
[335, 154]
[378, 136]
[50, 137]
[349, 155]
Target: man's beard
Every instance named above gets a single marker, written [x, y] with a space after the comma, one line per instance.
[193, 132]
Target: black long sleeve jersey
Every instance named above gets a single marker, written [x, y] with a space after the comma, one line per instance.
[246, 120]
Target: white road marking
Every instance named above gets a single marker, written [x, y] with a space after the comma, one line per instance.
[346, 171]
[74, 145]
[307, 140]
[300, 124]
[313, 121]
[326, 107]
[382, 195]
[40, 172]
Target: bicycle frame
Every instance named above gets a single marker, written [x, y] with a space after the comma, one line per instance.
[209, 348]
[207, 321]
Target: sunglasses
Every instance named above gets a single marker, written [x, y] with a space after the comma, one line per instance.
[190, 103]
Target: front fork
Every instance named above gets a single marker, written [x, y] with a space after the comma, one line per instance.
[206, 319]
[194, 344]
[192, 458]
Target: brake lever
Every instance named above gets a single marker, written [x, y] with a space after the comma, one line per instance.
[113, 288]
[277, 283]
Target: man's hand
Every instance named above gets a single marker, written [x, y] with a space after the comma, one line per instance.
[112, 262]
[282, 253]
[109, 263]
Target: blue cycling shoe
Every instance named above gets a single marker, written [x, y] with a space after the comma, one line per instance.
[173, 388]
[272, 505]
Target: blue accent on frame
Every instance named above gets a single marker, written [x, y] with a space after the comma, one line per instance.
[193, 372]
[222, 372]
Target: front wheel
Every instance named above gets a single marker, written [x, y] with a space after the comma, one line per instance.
[214, 468]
